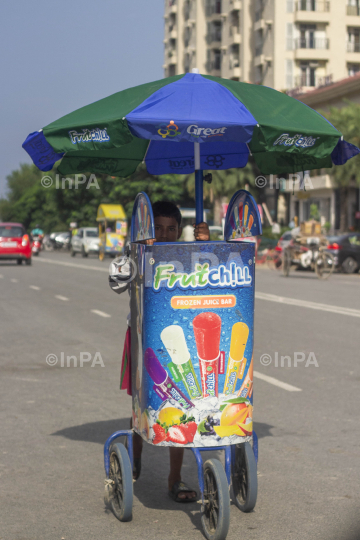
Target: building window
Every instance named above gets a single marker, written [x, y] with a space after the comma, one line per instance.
[353, 44]
[289, 36]
[172, 70]
[213, 6]
[290, 6]
[353, 7]
[234, 61]
[259, 42]
[353, 69]
[217, 59]
[307, 75]
[258, 74]
[289, 73]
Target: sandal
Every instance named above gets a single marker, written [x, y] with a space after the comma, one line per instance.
[180, 487]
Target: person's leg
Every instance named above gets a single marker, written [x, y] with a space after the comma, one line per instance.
[176, 459]
[137, 450]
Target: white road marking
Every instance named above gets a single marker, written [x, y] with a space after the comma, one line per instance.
[26, 380]
[275, 382]
[59, 297]
[311, 305]
[73, 265]
[34, 287]
[14, 280]
[100, 313]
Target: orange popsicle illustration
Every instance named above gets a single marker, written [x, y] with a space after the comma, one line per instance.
[236, 362]
[246, 210]
[247, 386]
[251, 221]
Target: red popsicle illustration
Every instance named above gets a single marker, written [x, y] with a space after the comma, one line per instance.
[207, 331]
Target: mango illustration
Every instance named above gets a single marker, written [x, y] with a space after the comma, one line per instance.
[246, 428]
[227, 431]
[235, 413]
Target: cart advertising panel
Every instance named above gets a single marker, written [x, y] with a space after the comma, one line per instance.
[192, 319]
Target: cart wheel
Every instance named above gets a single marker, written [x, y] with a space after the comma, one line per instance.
[121, 499]
[216, 511]
[244, 478]
[286, 263]
[324, 265]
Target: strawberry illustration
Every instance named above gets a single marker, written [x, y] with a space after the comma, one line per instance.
[177, 434]
[160, 434]
[191, 428]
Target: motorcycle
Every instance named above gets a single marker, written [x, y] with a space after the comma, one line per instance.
[36, 245]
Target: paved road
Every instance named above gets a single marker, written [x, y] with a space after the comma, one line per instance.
[54, 420]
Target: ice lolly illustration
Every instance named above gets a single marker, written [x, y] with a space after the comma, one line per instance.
[236, 362]
[251, 221]
[174, 340]
[163, 385]
[246, 209]
[247, 385]
[207, 331]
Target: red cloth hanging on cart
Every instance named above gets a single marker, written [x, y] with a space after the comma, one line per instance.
[125, 373]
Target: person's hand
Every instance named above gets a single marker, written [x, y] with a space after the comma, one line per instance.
[201, 232]
[149, 242]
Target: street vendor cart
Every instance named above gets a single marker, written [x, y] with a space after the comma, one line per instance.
[192, 333]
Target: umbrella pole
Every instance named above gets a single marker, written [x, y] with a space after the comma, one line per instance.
[199, 192]
[199, 197]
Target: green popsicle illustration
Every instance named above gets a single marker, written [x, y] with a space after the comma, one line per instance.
[174, 341]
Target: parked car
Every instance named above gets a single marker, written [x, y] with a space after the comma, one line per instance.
[85, 241]
[62, 240]
[14, 243]
[216, 232]
[346, 251]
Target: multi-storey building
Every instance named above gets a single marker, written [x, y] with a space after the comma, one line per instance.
[284, 44]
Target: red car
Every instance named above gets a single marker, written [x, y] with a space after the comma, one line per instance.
[14, 243]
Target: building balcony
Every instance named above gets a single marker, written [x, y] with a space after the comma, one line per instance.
[173, 34]
[353, 11]
[234, 35]
[172, 6]
[235, 5]
[312, 49]
[172, 57]
[320, 6]
[353, 47]
[214, 38]
[305, 14]
[259, 59]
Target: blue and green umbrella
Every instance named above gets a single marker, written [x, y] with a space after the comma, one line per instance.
[216, 124]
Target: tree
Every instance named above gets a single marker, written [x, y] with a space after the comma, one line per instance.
[346, 120]
[29, 202]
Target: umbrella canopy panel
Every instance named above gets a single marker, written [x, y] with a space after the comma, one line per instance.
[159, 122]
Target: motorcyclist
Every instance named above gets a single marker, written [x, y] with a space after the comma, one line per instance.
[37, 231]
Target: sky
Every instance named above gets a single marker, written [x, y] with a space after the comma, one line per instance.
[57, 56]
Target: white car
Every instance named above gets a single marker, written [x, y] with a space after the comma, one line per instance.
[85, 241]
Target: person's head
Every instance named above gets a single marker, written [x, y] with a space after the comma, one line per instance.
[167, 218]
